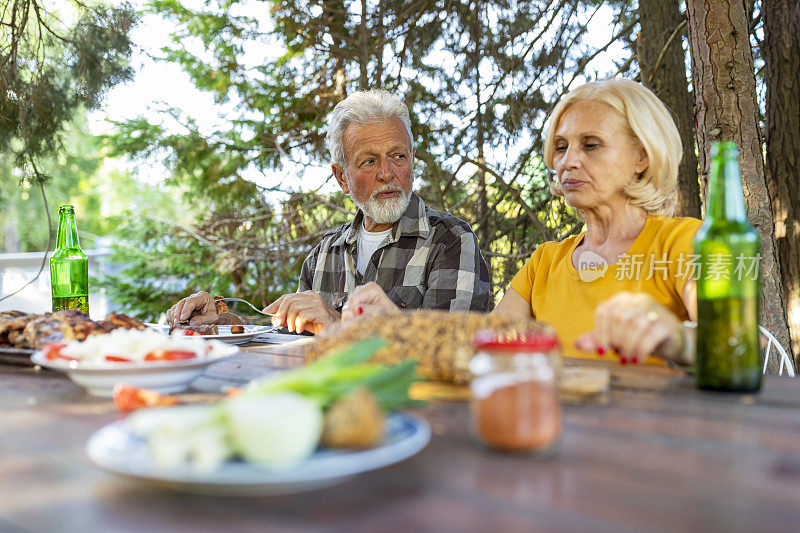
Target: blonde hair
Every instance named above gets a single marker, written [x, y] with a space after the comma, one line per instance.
[650, 122]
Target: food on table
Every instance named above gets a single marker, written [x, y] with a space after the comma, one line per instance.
[28, 330]
[354, 421]
[515, 404]
[518, 416]
[12, 324]
[185, 434]
[221, 306]
[273, 429]
[129, 398]
[441, 341]
[62, 325]
[201, 329]
[236, 329]
[330, 377]
[278, 420]
[132, 346]
[118, 320]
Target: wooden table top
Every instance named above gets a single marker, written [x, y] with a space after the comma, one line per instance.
[659, 455]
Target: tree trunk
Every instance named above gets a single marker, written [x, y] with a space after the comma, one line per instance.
[380, 36]
[726, 109]
[483, 202]
[663, 69]
[781, 51]
[363, 80]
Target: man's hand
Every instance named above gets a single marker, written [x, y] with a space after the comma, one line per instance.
[302, 311]
[635, 326]
[200, 303]
[368, 299]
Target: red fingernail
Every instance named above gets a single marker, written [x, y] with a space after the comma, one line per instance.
[359, 311]
[601, 350]
[635, 360]
[623, 360]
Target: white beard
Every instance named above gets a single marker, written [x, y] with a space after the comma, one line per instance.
[386, 211]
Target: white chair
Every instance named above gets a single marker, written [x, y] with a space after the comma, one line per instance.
[785, 361]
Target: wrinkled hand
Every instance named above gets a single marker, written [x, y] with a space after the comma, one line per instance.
[635, 326]
[201, 303]
[302, 311]
[368, 299]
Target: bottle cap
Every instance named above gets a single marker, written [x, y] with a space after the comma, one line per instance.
[512, 341]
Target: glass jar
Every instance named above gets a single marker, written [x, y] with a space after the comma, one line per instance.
[515, 404]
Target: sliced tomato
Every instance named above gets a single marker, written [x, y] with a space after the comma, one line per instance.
[169, 355]
[189, 332]
[52, 350]
[117, 359]
[129, 398]
[235, 391]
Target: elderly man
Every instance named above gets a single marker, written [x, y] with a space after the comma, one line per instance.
[420, 257]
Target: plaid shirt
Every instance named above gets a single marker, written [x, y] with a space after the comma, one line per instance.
[430, 260]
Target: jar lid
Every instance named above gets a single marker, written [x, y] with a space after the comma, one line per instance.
[535, 341]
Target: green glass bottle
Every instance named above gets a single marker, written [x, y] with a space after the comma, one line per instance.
[69, 267]
[729, 283]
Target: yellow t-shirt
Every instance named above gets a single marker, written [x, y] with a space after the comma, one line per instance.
[659, 262]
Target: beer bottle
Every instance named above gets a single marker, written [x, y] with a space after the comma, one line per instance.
[69, 267]
[728, 288]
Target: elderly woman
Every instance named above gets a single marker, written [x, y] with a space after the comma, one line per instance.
[624, 284]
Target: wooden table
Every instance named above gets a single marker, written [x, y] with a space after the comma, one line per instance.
[658, 456]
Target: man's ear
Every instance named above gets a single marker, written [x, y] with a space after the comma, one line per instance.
[338, 173]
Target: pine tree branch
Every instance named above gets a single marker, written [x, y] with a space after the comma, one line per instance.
[675, 33]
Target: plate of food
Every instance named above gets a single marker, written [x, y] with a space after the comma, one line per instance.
[23, 333]
[236, 334]
[292, 431]
[143, 358]
[123, 447]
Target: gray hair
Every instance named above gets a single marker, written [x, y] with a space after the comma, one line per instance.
[363, 107]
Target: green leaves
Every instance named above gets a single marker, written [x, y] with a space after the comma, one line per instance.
[331, 377]
[50, 72]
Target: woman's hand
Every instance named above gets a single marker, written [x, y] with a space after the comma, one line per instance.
[368, 299]
[635, 326]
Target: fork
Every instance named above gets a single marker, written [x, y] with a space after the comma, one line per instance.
[257, 310]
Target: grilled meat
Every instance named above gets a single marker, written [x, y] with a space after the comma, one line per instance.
[59, 326]
[202, 329]
[118, 320]
[221, 306]
[12, 323]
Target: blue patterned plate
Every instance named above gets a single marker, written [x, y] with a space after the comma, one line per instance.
[116, 449]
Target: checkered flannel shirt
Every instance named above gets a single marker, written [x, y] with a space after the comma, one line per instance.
[430, 260]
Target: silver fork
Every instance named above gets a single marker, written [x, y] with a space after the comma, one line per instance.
[257, 310]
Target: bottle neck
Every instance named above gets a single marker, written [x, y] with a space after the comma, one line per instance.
[67, 232]
[726, 199]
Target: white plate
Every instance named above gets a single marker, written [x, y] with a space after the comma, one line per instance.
[117, 449]
[162, 376]
[225, 334]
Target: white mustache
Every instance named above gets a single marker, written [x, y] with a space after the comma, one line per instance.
[387, 188]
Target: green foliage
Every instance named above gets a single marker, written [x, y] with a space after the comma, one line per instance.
[50, 71]
[76, 177]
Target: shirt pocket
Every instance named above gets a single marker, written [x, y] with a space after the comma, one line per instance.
[407, 296]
